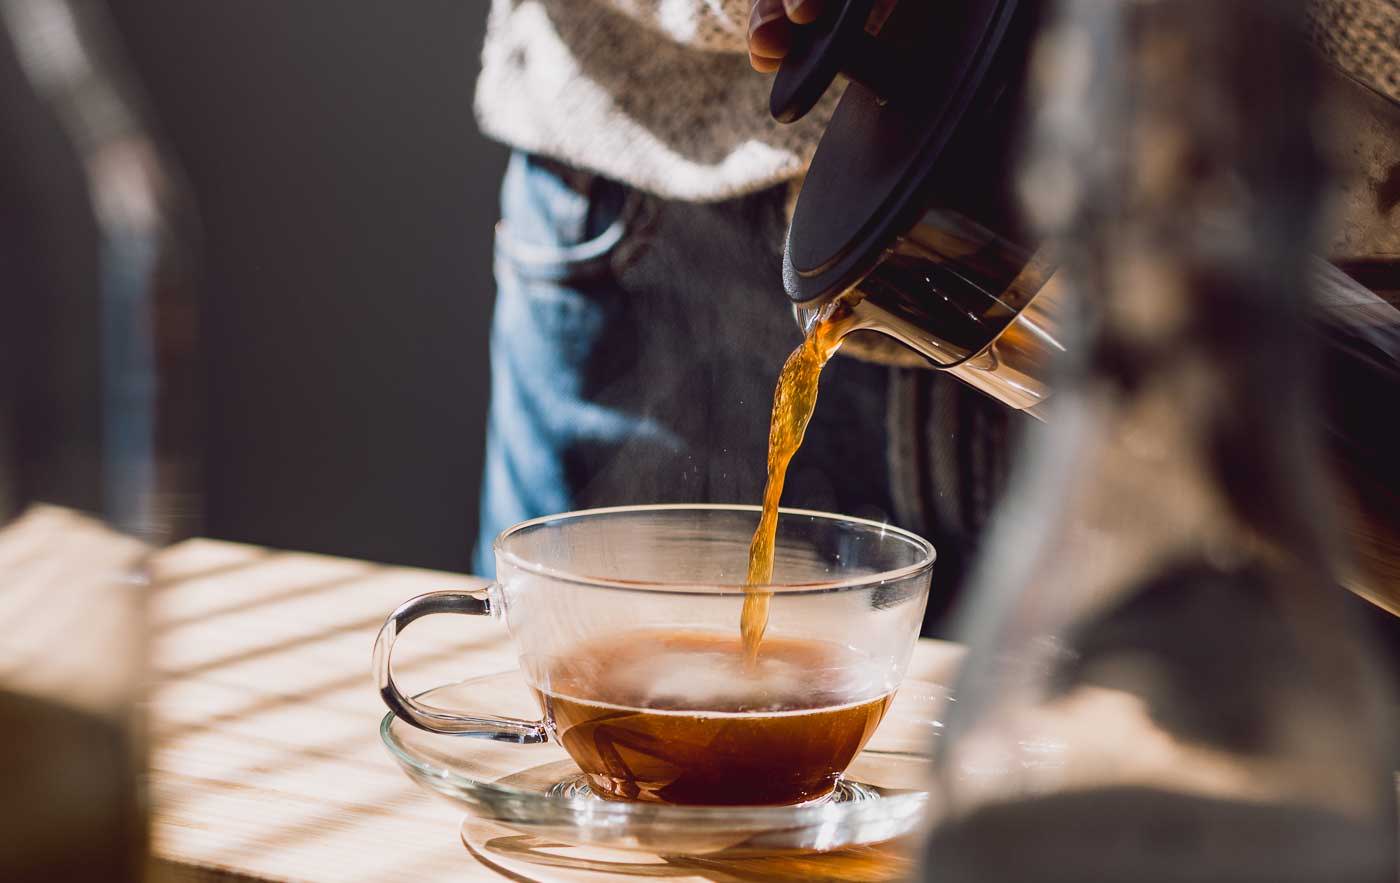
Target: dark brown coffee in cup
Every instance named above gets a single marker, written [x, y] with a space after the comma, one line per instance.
[683, 717]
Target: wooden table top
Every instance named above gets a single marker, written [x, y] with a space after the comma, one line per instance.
[265, 760]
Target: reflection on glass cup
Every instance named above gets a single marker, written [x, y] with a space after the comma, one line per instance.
[626, 622]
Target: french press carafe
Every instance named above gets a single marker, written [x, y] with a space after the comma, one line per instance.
[909, 210]
[907, 204]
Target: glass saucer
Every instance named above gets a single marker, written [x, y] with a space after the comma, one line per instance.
[537, 789]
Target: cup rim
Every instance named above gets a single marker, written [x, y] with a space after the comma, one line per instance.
[654, 587]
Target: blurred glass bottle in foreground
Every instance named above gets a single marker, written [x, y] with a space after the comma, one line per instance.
[97, 424]
[1163, 683]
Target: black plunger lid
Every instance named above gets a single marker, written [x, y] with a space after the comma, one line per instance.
[910, 86]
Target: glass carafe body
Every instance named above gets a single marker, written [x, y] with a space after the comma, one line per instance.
[1163, 681]
[97, 421]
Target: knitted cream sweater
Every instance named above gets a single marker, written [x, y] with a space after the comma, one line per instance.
[655, 93]
[658, 94]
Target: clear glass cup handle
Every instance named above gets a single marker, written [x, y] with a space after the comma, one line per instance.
[437, 720]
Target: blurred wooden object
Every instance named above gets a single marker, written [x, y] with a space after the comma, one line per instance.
[266, 762]
[1359, 326]
[69, 676]
[1370, 515]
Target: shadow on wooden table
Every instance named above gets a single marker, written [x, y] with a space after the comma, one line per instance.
[265, 762]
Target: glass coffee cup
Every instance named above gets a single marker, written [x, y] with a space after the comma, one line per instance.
[626, 623]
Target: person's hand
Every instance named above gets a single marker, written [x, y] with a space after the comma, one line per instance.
[770, 29]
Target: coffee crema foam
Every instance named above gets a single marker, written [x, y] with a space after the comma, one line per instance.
[662, 670]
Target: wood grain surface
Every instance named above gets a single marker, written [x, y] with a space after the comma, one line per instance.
[265, 756]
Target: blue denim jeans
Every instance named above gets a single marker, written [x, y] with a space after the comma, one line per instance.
[634, 349]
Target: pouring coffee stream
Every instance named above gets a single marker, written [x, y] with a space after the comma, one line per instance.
[793, 402]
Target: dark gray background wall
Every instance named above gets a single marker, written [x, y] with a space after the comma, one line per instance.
[347, 203]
